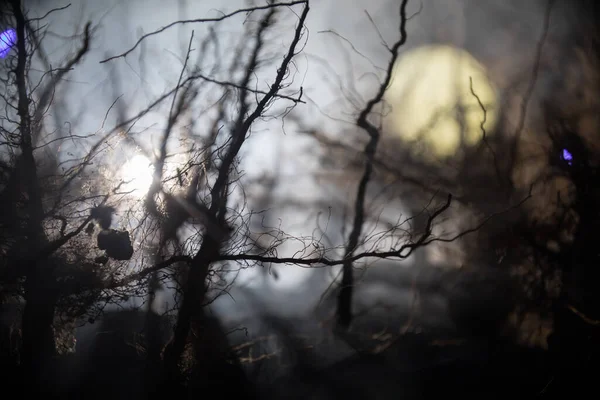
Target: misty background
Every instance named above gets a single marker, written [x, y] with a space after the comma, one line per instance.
[342, 53]
[300, 166]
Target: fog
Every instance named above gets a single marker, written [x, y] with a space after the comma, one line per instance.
[300, 189]
[338, 69]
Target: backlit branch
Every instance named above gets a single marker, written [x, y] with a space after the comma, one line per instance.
[402, 252]
[202, 20]
[345, 295]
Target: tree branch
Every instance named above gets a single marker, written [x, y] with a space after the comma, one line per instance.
[402, 252]
[345, 296]
[242, 126]
[532, 82]
[201, 20]
[50, 88]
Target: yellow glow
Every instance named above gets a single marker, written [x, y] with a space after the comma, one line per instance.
[137, 175]
[429, 89]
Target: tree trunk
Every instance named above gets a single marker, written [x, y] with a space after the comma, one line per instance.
[575, 341]
[191, 308]
[344, 308]
[40, 287]
[38, 346]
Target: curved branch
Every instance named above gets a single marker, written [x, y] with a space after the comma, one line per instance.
[200, 20]
[345, 295]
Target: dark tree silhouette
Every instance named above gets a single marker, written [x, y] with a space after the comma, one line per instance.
[193, 227]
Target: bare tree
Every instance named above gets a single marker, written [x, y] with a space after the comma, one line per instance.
[195, 223]
[25, 196]
[214, 176]
[51, 206]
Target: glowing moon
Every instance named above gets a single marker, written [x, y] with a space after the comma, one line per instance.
[432, 102]
[137, 175]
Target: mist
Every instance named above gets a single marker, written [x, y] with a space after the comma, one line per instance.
[468, 280]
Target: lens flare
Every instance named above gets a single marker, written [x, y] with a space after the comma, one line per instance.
[567, 156]
[137, 175]
[7, 41]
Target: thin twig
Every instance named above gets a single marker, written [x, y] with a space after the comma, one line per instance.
[483, 131]
[532, 82]
[345, 295]
[202, 20]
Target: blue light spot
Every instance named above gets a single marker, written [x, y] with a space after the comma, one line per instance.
[7, 41]
[567, 156]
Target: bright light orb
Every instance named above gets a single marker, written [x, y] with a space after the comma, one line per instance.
[137, 175]
[8, 39]
[567, 156]
[432, 101]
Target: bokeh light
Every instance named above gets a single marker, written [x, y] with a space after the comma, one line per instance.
[567, 156]
[137, 173]
[7, 41]
[431, 99]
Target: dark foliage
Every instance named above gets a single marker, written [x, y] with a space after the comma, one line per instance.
[103, 214]
[117, 244]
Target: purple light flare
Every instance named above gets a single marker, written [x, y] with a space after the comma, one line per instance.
[8, 39]
[567, 156]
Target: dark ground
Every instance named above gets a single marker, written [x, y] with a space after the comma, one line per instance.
[411, 366]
